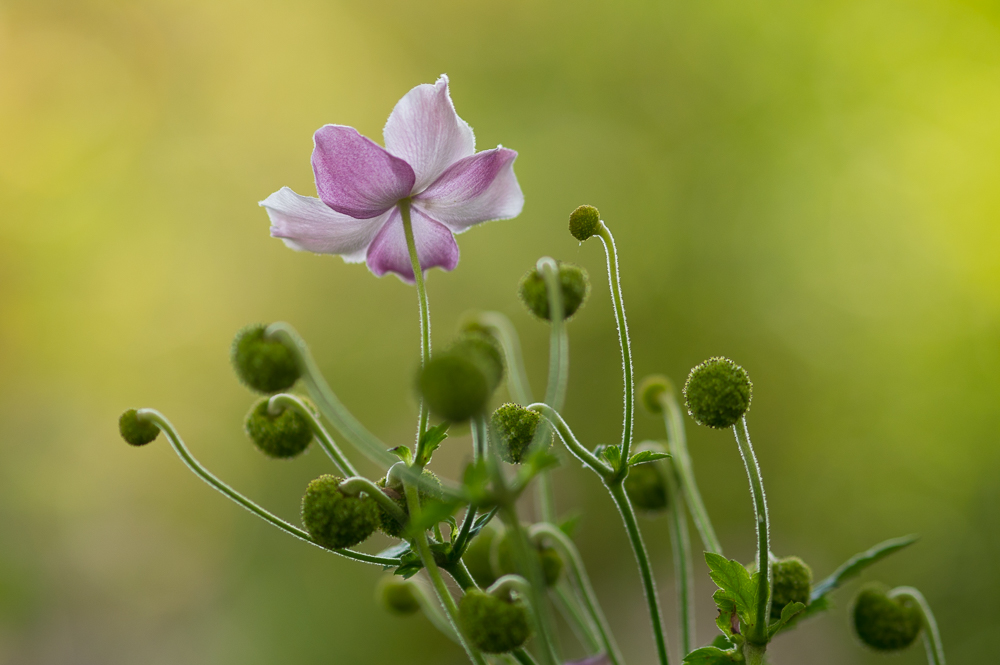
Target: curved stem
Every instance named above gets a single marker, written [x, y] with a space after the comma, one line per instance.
[759, 635]
[460, 573]
[683, 566]
[555, 388]
[158, 419]
[932, 637]
[358, 484]
[282, 401]
[433, 612]
[326, 401]
[645, 570]
[677, 442]
[582, 627]
[425, 316]
[581, 581]
[503, 330]
[588, 458]
[614, 281]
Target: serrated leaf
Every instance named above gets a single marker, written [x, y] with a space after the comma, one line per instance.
[430, 440]
[736, 584]
[403, 453]
[788, 612]
[857, 563]
[712, 656]
[613, 454]
[647, 456]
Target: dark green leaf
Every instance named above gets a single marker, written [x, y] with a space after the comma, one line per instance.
[646, 456]
[787, 613]
[481, 522]
[430, 440]
[712, 656]
[395, 551]
[853, 566]
[812, 609]
[411, 565]
[403, 453]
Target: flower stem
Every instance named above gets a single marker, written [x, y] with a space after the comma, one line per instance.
[932, 637]
[158, 419]
[617, 490]
[683, 567]
[425, 316]
[614, 281]
[599, 466]
[568, 606]
[358, 484]
[677, 442]
[282, 401]
[555, 389]
[759, 633]
[503, 330]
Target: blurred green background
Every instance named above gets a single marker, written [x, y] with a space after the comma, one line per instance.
[808, 187]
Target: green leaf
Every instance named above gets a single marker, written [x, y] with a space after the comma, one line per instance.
[570, 523]
[712, 656]
[857, 563]
[722, 642]
[812, 609]
[411, 565]
[788, 612]
[613, 454]
[481, 522]
[646, 456]
[430, 440]
[403, 453]
[738, 588]
[395, 551]
[432, 511]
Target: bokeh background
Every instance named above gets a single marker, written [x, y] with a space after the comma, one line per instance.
[809, 188]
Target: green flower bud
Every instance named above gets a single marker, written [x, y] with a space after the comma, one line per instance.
[584, 222]
[515, 427]
[651, 391]
[506, 562]
[282, 436]
[454, 387]
[260, 364]
[792, 580]
[482, 350]
[136, 432]
[397, 595]
[477, 557]
[491, 624]
[718, 393]
[884, 623]
[334, 519]
[575, 288]
[429, 488]
[647, 488]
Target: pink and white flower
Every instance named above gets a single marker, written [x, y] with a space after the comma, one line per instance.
[429, 161]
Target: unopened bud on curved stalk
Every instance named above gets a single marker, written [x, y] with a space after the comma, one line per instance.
[646, 484]
[515, 427]
[791, 581]
[584, 222]
[263, 365]
[282, 435]
[333, 518]
[652, 390]
[457, 384]
[481, 349]
[718, 393]
[136, 432]
[428, 488]
[494, 624]
[397, 595]
[549, 560]
[574, 287]
[885, 623]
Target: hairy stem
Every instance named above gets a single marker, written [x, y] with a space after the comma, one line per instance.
[614, 281]
[599, 466]
[425, 316]
[283, 401]
[759, 635]
[932, 637]
[555, 389]
[683, 566]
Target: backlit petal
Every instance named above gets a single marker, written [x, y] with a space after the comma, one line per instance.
[436, 246]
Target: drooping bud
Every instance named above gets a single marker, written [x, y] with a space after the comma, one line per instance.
[884, 623]
[584, 222]
[515, 427]
[575, 287]
[282, 436]
[482, 350]
[647, 488]
[652, 389]
[397, 596]
[334, 519]
[262, 365]
[506, 561]
[454, 387]
[718, 393]
[429, 488]
[136, 432]
[792, 580]
[492, 624]
[477, 557]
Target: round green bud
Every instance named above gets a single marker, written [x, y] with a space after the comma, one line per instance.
[477, 557]
[429, 488]
[506, 562]
[482, 350]
[262, 365]
[515, 427]
[397, 595]
[584, 222]
[136, 432]
[454, 387]
[647, 488]
[718, 393]
[334, 519]
[282, 436]
[651, 391]
[792, 580]
[575, 288]
[884, 623]
[491, 624]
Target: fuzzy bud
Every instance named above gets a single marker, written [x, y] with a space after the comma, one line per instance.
[334, 519]
[718, 393]
[136, 432]
[429, 488]
[515, 427]
[477, 557]
[506, 563]
[651, 391]
[262, 365]
[482, 350]
[575, 286]
[454, 387]
[584, 222]
[397, 595]
[884, 623]
[282, 436]
[491, 624]
[647, 488]
[792, 580]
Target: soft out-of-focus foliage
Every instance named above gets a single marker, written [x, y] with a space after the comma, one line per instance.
[808, 188]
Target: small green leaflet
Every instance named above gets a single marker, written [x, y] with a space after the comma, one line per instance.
[712, 656]
[430, 440]
[611, 453]
[411, 565]
[403, 453]
[432, 511]
[394, 552]
[646, 456]
[481, 522]
[788, 612]
[570, 523]
[737, 588]
[812, 609]
[857, 563]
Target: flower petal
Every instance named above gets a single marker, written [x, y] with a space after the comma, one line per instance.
[436, 246]
[308, 225]
[425, 130]
[356, 176]
[476, 189]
